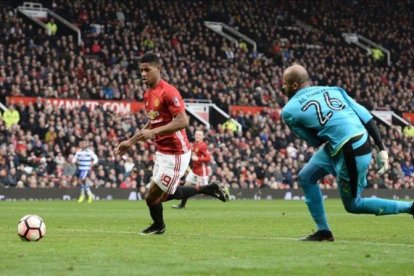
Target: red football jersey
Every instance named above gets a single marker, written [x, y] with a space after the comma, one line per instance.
[162, 104]
[199, 167]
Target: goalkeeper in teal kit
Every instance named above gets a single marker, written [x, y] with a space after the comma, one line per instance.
[326, 117]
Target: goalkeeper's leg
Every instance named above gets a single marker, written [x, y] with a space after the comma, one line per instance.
[360, 205]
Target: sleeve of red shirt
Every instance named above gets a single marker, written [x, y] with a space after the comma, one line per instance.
[174, 101]
[204, 154]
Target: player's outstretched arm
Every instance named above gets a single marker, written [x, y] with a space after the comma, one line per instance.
[373, 131]
[179, 122]
[124, 146]
[382, 156]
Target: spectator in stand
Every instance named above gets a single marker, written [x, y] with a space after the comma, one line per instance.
[408, 168]
[69, 168]
[409, 131]
[11, 178]
[11, 116]
[51, 27]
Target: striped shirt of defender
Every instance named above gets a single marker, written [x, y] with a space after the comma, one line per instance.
[85, 158]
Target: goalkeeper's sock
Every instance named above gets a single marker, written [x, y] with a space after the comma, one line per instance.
[317, 209]
[377, 206]
[314, 200]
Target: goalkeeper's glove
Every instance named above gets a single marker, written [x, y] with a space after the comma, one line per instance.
[382, 162]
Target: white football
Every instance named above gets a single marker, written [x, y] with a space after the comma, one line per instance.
[31, 228]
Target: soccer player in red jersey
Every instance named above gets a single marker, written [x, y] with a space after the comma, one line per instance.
[201, 158]
[166, 126]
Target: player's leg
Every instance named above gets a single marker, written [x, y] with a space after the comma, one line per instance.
[155, 206]
[217, 190]
[88, 191]
[154, 202]
[356, 204]
[183, 203]
[190, 180]
[82, 184]
[168, 169]
[214, 189]
[91, 196]
[82, 191]
[318, 166]
[195, 180]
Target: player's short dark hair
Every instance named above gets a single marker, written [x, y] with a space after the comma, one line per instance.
[150, 58]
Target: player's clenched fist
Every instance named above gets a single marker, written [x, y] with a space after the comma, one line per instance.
[145, 135]
[123, 147]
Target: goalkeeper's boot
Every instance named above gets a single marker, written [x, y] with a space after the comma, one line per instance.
[81, 198]
[154, 229]
[91, 197]
[216, 190]
[321, 235]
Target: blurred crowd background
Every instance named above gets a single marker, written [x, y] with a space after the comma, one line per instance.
[38, 141]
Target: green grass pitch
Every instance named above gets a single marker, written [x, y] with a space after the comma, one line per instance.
[243, 237]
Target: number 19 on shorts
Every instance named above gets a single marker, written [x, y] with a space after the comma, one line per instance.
[166, 180]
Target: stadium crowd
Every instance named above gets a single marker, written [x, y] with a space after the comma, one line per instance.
[37, 151]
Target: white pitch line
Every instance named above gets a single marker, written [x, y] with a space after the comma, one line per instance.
[236, 237]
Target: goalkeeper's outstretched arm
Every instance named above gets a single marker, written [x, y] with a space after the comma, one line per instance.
[382, 156]
[373, 131]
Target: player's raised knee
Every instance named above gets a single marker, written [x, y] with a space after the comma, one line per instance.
[302, 180]
[351, 207]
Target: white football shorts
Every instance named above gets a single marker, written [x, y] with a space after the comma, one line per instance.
[194, 179]
[168, 169]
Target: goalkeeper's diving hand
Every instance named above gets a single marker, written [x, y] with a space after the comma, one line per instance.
[382, 162]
